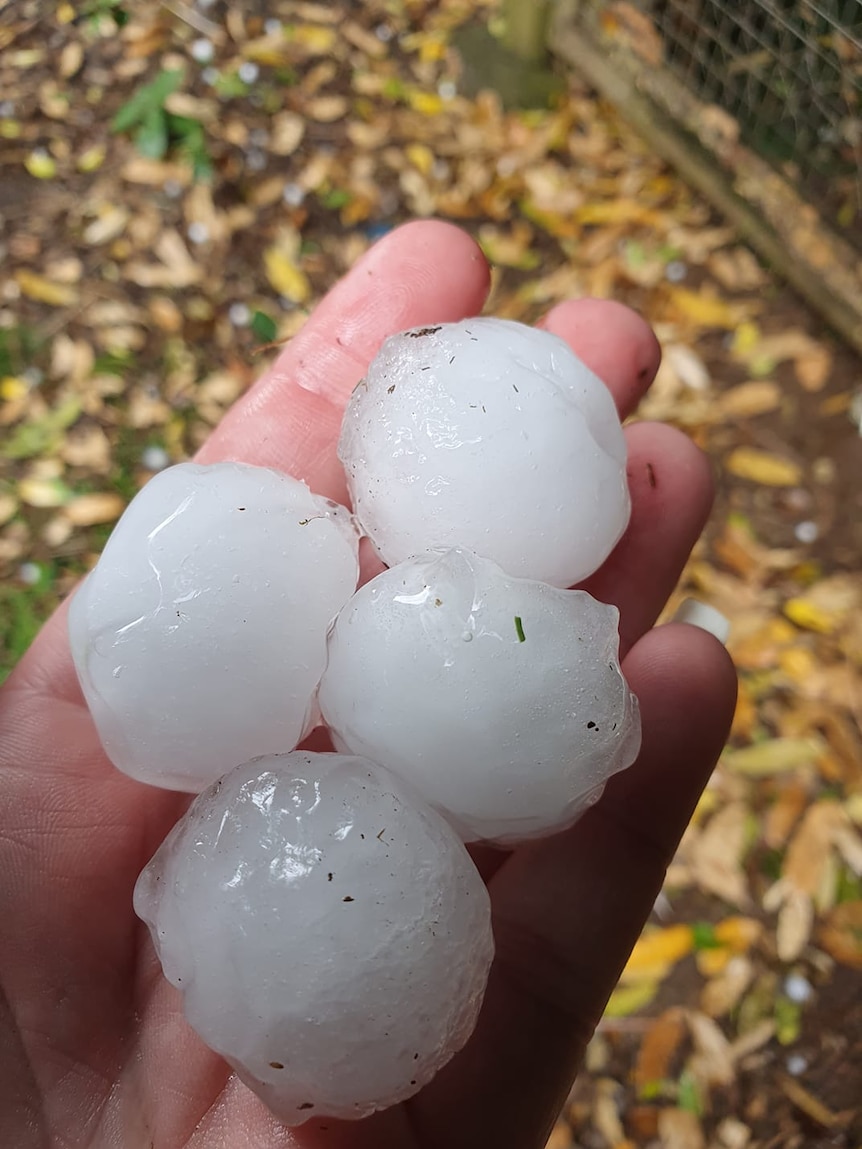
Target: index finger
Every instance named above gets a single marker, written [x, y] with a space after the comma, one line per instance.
[423, 272]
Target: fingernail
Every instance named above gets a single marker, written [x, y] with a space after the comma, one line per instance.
[706, 617]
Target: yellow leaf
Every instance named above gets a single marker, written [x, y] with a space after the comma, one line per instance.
[284, 275]
[426, 103]
[762, 467]
[660, 947]
[745, 339]
[707, 310]
[315, 38]
[42, 492]
[809, 616]
[798, 663]
[44, 291]
[738, 934]
[9, 129]
[421, 156]
[615, 211]
[628, 999]
[11, 387]
[92, 159]
[40, 165]
[65, 13]
[712, 962]
[826, 606]
[773, 757]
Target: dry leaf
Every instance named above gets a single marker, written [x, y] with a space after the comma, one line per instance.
[841, 933]
[659, 1045]
[777, 756]
[717, 853]
[762, 467]
[757, 397]
[656, 951]
[89, 510]
[679, 1129]
[284, 274]
[43, 290]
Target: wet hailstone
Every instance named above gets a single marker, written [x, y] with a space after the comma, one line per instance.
[329, 933]
[490, 435]
[500, 700]
[199, 638]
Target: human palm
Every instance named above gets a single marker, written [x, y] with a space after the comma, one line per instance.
[94, 1050]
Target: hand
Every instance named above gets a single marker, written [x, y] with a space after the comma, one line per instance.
[94, 1051]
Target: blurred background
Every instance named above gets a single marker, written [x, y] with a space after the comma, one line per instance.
[180, 182]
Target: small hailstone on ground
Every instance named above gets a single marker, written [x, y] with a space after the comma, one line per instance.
[500, 700]
[328, 931]
[155, 458]
[202, 50]
[490, 435]
[239, 315]
[200, 636]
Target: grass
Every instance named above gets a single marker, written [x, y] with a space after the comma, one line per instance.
[23, 609]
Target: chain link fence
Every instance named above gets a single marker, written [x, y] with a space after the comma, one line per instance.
[759, 103]
[790, 73]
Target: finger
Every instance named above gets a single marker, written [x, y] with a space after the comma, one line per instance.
[613, 341]
[424, 272]
[568, 910]
[671, 486]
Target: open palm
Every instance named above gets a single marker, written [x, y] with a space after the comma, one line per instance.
[94, 1050]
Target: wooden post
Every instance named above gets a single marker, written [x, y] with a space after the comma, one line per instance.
[526, 28]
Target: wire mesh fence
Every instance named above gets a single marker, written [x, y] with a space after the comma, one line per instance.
[790, 72]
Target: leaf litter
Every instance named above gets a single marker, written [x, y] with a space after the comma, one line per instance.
[178, 187]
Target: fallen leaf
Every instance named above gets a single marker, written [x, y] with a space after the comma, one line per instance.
[705, 310]
[776, 756]
[90, 510]
[657, 950]
[840, 934]
[657, 1049]
[747, 400]
[717, 853]
[43, 290]
[284, 274]
[679, 1129]
[628, 999]
[762, 467]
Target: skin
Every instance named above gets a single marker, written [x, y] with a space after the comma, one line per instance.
[94, 1050]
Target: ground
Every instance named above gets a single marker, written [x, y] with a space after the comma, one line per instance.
[179, 184]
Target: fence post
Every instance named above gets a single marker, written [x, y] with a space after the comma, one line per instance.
[526, 28]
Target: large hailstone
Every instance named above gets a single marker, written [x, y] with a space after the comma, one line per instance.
[200, 636]
[490, 435]
[328, 931]
[501, 700]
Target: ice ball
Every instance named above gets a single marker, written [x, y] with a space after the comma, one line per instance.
[500, 699]
[329, 932]
[200, 636]
[491, 435]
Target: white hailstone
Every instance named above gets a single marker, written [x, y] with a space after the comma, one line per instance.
[500, 700]
[328, 931]
[248, 72]
[491, 435]
[202, 50]
[200, 636]
[155, 458]
[239, 315]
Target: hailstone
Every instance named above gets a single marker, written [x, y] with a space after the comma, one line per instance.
[200, 636]
[500, 699]
[491, 435]
[328, 931]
